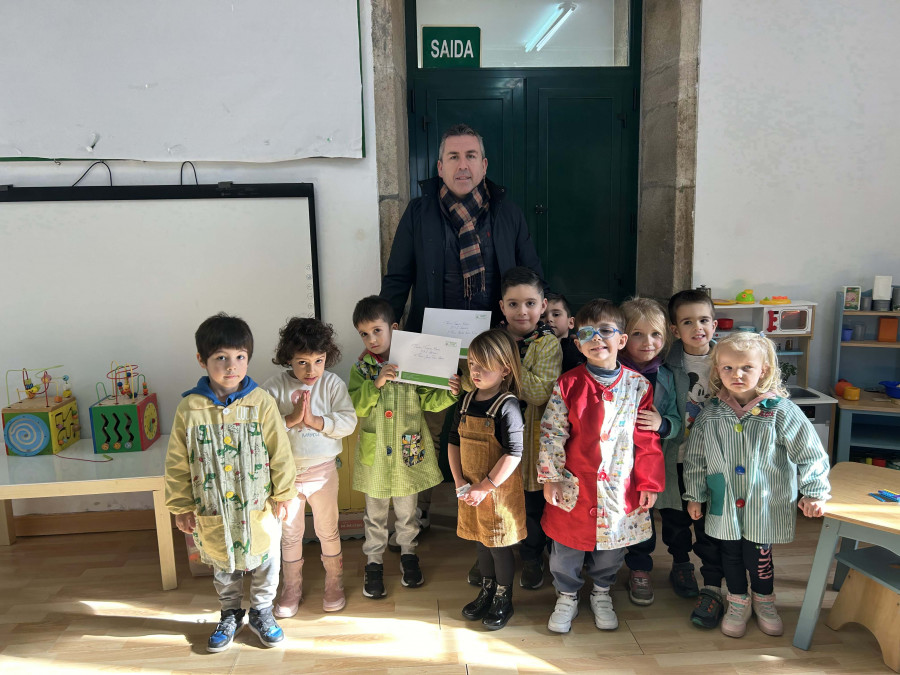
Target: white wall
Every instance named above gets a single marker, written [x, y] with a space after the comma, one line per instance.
[798, 152]
[348, 236]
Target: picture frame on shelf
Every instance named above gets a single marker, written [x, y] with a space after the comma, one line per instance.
[852, 295]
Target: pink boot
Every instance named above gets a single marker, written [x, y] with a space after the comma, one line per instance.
[291, 589]
[766, 615]
[334, 583]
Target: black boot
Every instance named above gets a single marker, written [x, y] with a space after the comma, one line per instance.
[501, 609]
[480, 605]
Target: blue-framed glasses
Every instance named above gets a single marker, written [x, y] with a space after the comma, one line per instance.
[587, 333]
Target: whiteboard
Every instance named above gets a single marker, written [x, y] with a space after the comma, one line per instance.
[100, 274]
[171, 80]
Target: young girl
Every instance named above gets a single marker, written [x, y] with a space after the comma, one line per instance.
[645, 324]
[744, 454]
[318, 413]
[485, 448]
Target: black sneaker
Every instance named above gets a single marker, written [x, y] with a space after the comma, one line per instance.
[230, 624]
[532, 576]
[264, 625]
[412, 573]
[708, 610]
[683, 582]
[373, 586]
[474, 577]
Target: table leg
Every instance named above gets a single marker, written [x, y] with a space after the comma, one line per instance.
[164, 541]
[843, 443]
[841, 570]
[7, 526]
[815, 587]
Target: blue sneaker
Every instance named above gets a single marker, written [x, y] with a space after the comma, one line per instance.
[230, 624]
[263, 624]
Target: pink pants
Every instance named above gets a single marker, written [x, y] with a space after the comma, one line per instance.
[318, 485]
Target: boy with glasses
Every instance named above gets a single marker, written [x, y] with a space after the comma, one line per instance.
[600, 473]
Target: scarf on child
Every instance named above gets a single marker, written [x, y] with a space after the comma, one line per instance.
[540, 330]
[463, 213]
[650, 366]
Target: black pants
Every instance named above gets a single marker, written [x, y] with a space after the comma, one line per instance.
[743, 557]
[676, 534]
[498, 563]
[637, 557]
[532, 546]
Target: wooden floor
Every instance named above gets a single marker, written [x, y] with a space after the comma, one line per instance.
[92, 602]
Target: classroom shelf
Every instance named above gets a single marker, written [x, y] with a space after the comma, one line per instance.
[871, 343]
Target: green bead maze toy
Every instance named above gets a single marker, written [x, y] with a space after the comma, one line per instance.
[38, 423]
[128, 419]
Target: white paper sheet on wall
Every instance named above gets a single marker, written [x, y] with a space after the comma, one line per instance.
[173, 80]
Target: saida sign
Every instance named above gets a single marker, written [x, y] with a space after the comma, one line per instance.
[451, 47]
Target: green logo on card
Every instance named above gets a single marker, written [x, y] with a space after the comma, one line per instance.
[451, 47]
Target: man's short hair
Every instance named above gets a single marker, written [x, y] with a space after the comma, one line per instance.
[689, 297]
[373, 308]
[460, 130]
[520, 276]
[561, 299]
[599, 310]
[222, 331]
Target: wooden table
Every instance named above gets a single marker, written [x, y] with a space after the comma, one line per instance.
[869, 410]
[55, 476]
[854, 515]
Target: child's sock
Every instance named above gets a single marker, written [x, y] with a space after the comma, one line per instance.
[601, 589]
[713, 589]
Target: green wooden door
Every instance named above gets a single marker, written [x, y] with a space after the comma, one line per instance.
[563, 141]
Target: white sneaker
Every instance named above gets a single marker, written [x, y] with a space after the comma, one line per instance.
[739, 610]
[566, 609]
[604, 615]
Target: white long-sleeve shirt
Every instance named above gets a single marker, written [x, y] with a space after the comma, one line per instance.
[330, 399]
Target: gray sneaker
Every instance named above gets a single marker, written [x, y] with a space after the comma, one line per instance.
[264, 625]
[640, 590]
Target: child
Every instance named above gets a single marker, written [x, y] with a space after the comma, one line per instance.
[692, 322]
[485, 448]
[560, 318]
[600, 471]
[743, 458]
[522, 303]
[395, 457]
[645, 325]
[317, 413]
[228, 455]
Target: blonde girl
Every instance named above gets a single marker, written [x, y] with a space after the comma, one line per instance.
[485, 448]
[744, 455]
[647, 330]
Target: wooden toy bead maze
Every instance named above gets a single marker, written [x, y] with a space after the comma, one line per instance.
[35, 424]
[128, 419]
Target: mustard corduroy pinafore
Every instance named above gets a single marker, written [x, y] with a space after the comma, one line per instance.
[499, 520]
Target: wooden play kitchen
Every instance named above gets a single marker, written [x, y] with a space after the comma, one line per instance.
[866, 370]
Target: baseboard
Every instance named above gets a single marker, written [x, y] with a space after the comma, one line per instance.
[84, 521]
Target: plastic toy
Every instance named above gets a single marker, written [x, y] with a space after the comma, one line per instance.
[892, 389]
[35, 424]
[128, 419]
[776, 300]
[745, 297]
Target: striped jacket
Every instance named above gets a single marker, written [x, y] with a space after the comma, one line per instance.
[746, 470]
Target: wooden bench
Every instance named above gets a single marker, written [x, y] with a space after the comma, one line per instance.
[870, 596]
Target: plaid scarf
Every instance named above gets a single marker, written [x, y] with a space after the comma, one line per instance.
[462, 214]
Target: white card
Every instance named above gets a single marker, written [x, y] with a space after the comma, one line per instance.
[881, 290]
[456, 323]
[424, 359]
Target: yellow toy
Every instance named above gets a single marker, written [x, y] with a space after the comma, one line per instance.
[745, 297]
[776, 300]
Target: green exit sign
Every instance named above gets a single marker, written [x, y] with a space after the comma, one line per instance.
[451, 47]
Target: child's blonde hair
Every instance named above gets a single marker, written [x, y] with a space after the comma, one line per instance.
[743, 341]
[649, 310]
[495, 350]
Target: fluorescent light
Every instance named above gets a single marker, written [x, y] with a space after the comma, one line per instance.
[542, 37]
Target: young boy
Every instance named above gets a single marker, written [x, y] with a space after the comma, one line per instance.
[600, 473]
[228, 455]
[692, 317]
[560, 318]
[522, 303]
[395, 457]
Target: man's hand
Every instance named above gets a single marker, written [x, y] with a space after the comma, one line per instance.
[388, 374]
[186, 522]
